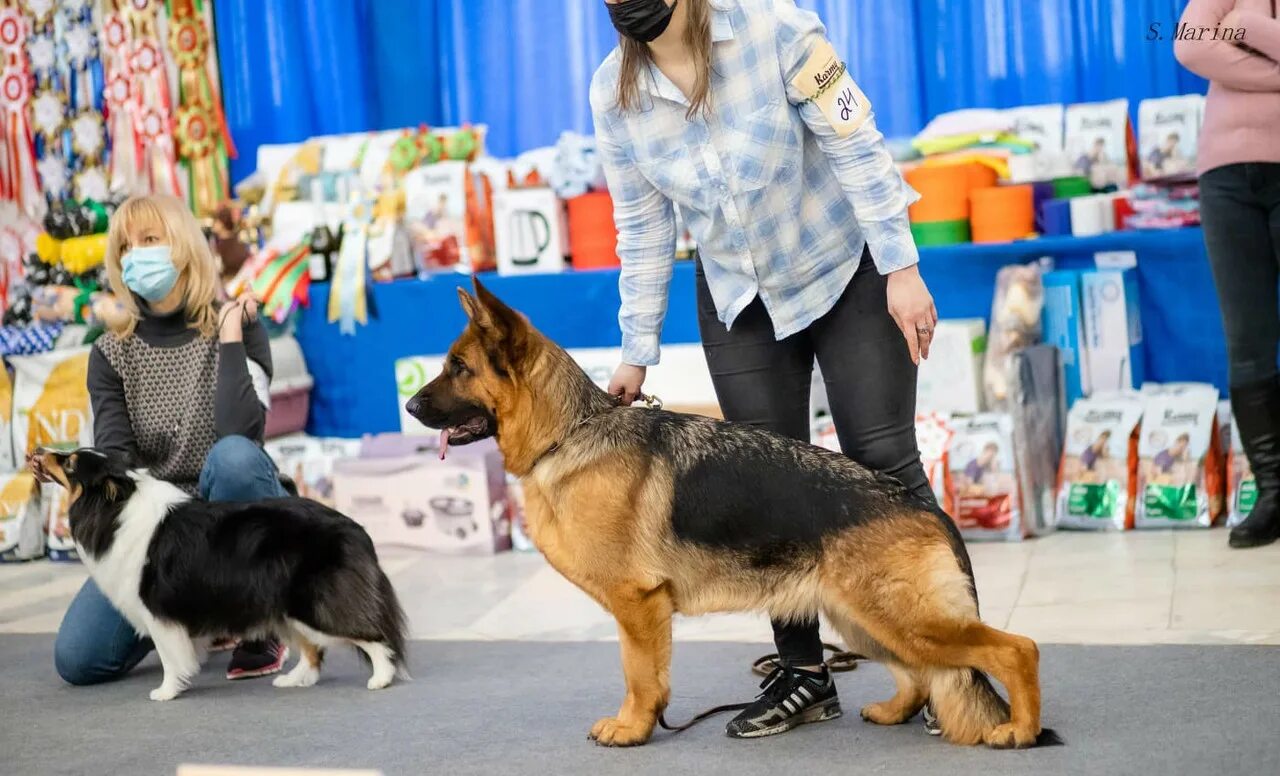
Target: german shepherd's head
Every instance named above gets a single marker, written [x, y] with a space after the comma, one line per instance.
[501, 373]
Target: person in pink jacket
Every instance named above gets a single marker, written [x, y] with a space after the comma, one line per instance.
[1239, 164]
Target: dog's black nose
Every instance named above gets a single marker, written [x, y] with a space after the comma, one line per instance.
[413, 405]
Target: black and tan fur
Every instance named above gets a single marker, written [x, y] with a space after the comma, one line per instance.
[653, 513]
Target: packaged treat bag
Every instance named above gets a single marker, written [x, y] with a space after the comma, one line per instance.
[1179, 458]
[1098, 136]
[933, 436]
[21, 526]
[51, 401]
[1099, 463]
[1038, 412]
[1242, 487]
[1169, 136]
[984, 485]
[1015, 324]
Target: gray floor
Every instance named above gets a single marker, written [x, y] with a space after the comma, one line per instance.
[510, 707]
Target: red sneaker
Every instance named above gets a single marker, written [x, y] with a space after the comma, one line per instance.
[257, 658]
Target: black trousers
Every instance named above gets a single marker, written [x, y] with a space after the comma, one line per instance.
[1240, 210]
[870, 381]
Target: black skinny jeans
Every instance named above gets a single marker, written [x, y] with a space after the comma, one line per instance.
[1240, 210]
[870, 380]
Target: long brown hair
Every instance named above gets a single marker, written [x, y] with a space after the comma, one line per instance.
[636, 58]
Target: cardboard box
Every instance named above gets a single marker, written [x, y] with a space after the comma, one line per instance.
[456, 506]
[1112, 330]
[950, 379]
[1063, 322]
[309, 462]
[529, 231]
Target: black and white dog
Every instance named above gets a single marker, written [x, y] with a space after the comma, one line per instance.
[182, 570]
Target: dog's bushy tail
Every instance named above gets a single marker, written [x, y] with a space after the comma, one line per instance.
[968, 707]
[393, 627]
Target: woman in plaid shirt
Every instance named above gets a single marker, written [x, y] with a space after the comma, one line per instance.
[741, 114]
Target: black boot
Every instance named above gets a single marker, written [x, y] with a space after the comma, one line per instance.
[1257, 411]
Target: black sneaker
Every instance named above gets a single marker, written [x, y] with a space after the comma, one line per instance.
[791, 697]
[931, 724]
[257, 658]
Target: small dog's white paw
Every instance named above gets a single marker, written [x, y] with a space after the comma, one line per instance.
[295, 679]
[378, 682]
[163, 693]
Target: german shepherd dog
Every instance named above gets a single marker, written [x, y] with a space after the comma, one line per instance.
[652, 513]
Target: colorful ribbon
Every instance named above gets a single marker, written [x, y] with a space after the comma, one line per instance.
[144, 155]
[348, 291]
[201, 129]
[19, 179]
[284, 282]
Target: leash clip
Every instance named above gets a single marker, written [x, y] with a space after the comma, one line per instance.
[650, 401]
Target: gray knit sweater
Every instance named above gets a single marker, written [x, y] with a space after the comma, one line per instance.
[164, 395]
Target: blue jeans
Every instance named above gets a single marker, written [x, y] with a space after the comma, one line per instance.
[95, 643]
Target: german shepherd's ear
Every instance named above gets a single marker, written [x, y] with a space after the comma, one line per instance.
[504, 332]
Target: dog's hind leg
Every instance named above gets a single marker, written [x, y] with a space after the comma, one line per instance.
[644, 633]
[382, 656]
[178, 658]
[307, 671]
[905, 588]
[913, 688]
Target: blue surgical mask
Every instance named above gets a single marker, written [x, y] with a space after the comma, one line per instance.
[149, 272]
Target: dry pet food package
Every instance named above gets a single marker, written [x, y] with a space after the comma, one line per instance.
[1169, 136]
[1099, 463]
[21, 523]
[1039, 416]
[933, 436]
[984, 485]
[1243, 488]
[1015, 324]
[1180, 458]
[1098, 136]
[54, 505]
[51, 401]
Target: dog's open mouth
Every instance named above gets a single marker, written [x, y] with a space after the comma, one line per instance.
[474, 428]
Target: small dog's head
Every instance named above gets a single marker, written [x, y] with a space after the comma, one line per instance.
[464, 400]
[83, 471]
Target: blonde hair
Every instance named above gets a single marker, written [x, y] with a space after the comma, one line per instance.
[636, 58]
[197, 268]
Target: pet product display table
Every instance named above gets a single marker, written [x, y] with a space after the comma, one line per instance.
[355, 390]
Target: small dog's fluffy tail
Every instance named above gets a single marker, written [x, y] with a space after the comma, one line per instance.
[968, 707]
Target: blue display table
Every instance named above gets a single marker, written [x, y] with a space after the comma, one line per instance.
[355, 376]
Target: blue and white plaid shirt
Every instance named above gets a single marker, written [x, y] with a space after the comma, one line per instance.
[781, 206]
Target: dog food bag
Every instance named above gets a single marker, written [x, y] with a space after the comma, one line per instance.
[933, 435]
[54, 505]
[984, 484]
[1179, 468]
[1099, 463]
[21, 527]
[1098, 138]
[1243, 488]
[51, 401]
[1169, 136]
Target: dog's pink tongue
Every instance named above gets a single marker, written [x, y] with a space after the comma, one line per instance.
[444, 442]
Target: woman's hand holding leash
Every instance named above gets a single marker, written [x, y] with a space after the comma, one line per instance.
[235, 316]
[911, 306]
[627, 382]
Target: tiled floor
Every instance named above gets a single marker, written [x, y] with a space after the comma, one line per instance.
[1134, 588]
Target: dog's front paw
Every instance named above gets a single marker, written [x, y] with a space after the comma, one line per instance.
[295, 678]
[886, 713]
[379, 682]
[165, 693]
[1009, 736]
[612, 731]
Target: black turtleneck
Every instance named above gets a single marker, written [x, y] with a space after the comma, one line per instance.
[237, 408]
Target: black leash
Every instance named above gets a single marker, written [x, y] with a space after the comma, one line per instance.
[839, 662]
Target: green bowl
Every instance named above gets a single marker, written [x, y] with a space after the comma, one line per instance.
[929, 233]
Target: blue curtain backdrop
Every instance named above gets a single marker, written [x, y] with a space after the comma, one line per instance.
[293, 69]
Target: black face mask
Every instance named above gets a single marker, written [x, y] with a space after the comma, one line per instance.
[641, 20]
